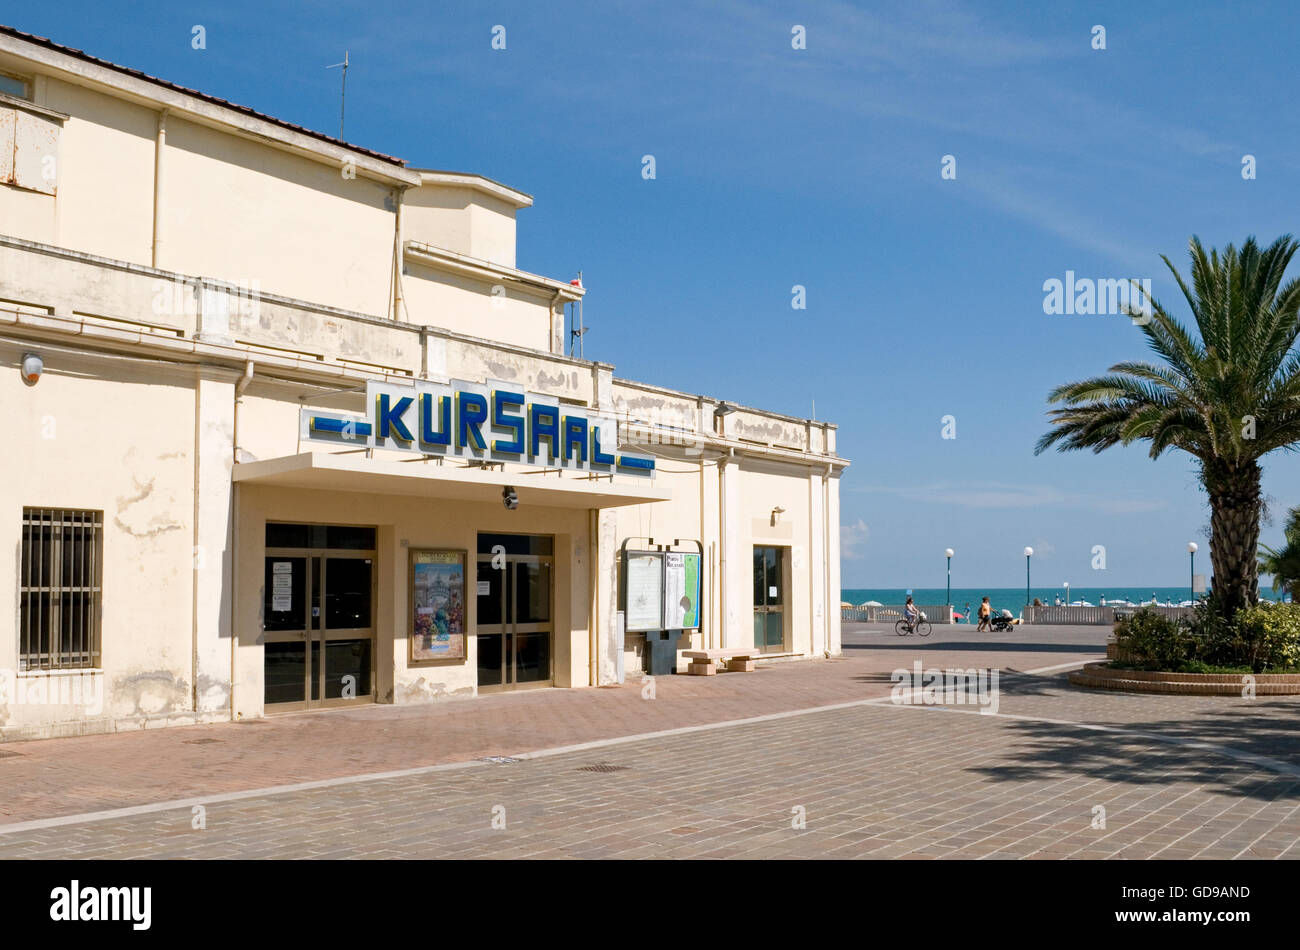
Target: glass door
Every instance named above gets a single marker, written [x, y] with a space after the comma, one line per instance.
[345, 641]
[285, 631]
[769, 599]
[318, 617]
[490, 630]
[514, 629]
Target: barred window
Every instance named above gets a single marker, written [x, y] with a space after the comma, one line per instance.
[59, 589]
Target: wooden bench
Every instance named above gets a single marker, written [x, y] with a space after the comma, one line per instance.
[704, 662]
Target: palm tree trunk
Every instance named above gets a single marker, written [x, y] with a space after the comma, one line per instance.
[1235, 509]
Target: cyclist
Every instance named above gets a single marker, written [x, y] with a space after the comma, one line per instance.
[910, 613]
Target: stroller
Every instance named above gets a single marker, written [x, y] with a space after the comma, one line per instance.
[1003, 621]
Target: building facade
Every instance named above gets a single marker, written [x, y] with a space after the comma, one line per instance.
[293, 430]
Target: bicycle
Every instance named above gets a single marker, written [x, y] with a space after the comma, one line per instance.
[921, 628]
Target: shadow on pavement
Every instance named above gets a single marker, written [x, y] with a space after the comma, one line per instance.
[1270, 729]
[978, 646]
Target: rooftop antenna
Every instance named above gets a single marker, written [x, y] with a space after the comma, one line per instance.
[343, 100]
[576, 335]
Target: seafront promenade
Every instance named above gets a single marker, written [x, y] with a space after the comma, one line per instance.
[721, 766]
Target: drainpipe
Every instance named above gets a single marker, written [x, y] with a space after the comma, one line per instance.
[240, 386]
[593, 552]
[160, 146]
[398, 302]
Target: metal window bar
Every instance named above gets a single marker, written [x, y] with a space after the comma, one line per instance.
[60, 589]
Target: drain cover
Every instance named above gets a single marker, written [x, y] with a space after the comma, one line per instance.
[498, 759]
[603, 767]
[200, 741]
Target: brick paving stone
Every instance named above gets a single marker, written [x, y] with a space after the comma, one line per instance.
[874, 780]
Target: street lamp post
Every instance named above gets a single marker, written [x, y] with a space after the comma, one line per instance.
[947, 552]
[1191, 551]
[1029, 552]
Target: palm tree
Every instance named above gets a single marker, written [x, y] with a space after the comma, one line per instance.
[1284, 565]
[1228, 398]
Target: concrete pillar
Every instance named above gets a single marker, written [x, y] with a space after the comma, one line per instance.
[736, 567]
[817, 557]
[609, 642]
[214, 430]
[833, 561]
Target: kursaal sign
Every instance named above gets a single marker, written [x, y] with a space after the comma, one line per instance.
[489, 422]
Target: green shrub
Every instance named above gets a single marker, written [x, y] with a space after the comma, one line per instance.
[1149, 637]
[1268, 636]
[1262, 638]
[1215, 640]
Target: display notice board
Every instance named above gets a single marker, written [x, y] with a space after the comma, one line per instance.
[681, 591]
[643, 591]
[661, 590]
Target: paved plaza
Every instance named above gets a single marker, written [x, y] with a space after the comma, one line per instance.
[800, 760]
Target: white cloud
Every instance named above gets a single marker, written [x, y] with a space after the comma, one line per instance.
[852, 538]
[1003, 495]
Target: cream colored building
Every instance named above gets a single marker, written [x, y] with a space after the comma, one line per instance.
[270, 393]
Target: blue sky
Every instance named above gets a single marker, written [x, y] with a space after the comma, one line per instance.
[821, 167]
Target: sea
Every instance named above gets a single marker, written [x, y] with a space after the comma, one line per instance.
[1013, 598]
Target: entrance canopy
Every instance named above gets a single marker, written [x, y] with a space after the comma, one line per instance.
[354, 472]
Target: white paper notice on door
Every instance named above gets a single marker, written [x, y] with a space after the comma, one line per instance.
[484, 588]
[281, 581]
[281, 600]
[282, 567]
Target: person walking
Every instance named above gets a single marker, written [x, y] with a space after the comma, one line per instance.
[986, 615]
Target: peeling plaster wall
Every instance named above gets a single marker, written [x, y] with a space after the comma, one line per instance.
[637, 404]
[130, 455]
[540, 373]
[767, 430]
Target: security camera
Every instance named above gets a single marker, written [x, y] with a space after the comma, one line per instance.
[32, 368]
[509, 498]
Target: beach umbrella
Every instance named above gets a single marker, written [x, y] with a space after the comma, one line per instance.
[871, 603]
[845, 603]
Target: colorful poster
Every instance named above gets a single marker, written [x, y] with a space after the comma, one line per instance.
[644, 591]
[681, 591]
[437, 605]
